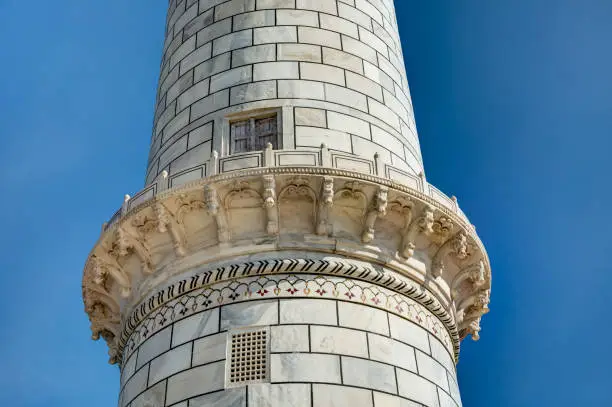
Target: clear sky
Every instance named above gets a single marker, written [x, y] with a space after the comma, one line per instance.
[513, 100]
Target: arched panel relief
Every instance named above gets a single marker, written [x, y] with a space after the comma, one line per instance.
[245, 207]
[349, 210]
[297, 205]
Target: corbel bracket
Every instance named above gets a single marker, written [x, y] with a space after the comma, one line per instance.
[378, 209]
[457, 245]
[270, 204]
[325, 207]
[166, 222]
[215, 210]
[423, 224]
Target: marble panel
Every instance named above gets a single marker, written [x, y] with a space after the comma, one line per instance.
[153, 397]
[279, 395]
[445, 399]
[135, 385]
[305, 367]
[368, 374]
[196, 326]
[250, 313]
[416, 388]
[209, 349]
[387, 400]
[432, 370]
[128, 368]
[307, 311]
[289, 338]
[363, 317]
[391, 351]
[196, 381]
[227, 398]
[326, 339]
[155, 345]
[409, 333]
[439, 353]
[169, 363]
[325, 395]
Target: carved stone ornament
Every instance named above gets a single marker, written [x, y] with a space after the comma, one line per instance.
[292, 209]
[270, 204]
[325, 204]
[217, 212]
[378, 209]
[422, 225]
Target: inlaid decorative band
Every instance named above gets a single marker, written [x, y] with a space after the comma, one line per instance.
[353, 281]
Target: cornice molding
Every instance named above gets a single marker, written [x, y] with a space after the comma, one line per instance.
[273, 209]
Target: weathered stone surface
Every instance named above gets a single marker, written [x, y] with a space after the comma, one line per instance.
[169, 363]
[305, 367]
[289, 338]
[363, 317]
[338, 340]
[308, 311]
[368, 374]
[192, 382]
[249, 314]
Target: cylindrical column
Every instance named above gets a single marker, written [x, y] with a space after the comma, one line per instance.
[289, 340]
[238, 74]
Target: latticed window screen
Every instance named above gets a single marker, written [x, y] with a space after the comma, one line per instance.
[254, 134]
[248, 359]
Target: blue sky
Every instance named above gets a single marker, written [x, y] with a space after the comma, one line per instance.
[514, 109]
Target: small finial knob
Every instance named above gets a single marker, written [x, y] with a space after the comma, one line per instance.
[126, 198]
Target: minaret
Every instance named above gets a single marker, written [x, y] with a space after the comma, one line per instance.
[286, 249]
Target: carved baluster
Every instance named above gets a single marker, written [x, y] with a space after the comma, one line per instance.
[377, 209]
[325, 205]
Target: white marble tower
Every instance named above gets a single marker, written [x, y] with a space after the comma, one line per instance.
[286, 250]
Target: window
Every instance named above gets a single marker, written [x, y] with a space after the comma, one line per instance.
[254, 134]
[248, 356]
